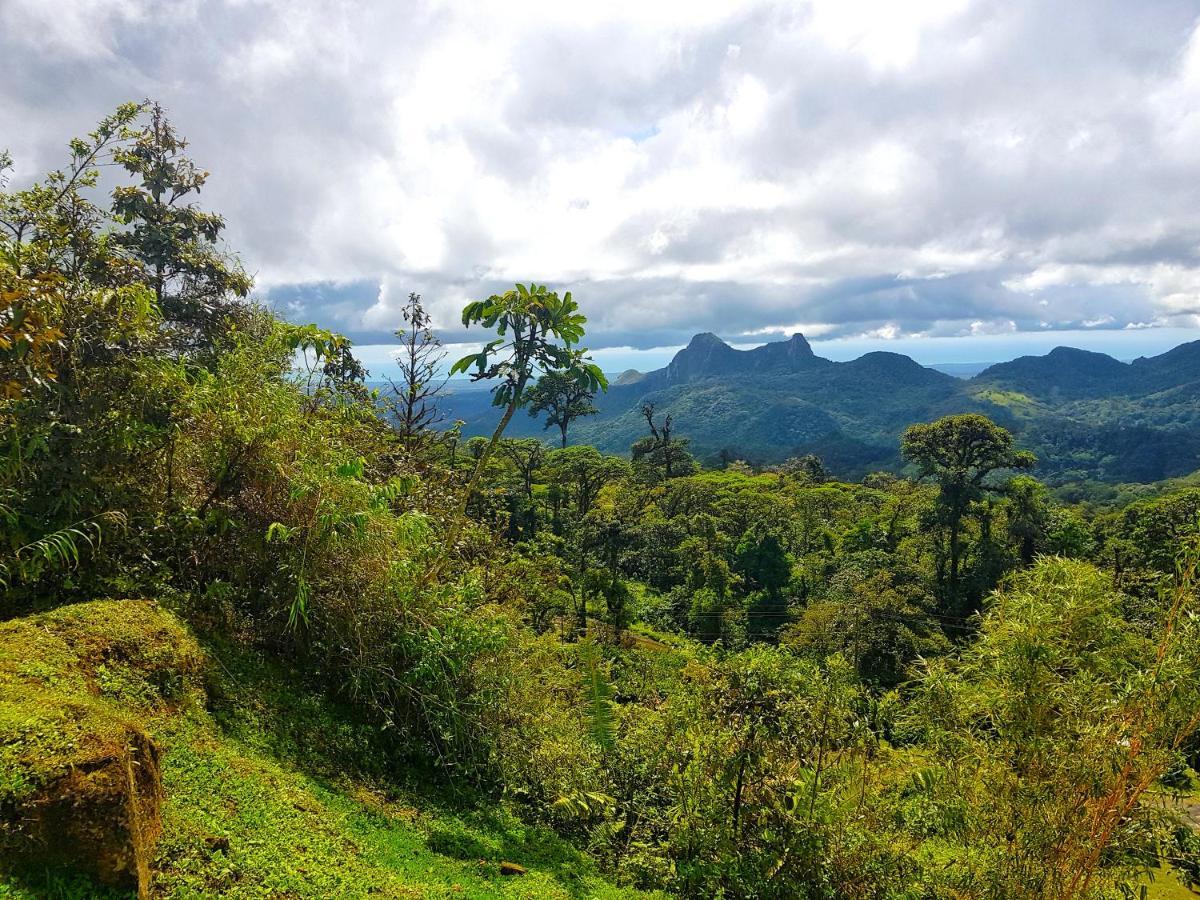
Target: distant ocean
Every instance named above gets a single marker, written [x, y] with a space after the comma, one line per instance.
[960, 370]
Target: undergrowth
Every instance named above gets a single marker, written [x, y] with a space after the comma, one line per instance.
[274, 791]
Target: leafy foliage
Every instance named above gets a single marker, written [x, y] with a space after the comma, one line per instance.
[528, 320]
[563, 398]
[598, 693]
[742, 681]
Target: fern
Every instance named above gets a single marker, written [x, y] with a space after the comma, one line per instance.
[62, 549]
[584, 805]
[923, 780]
[351, 468]
[278, 533]
[382, 496]
[598, 694]
[298, 611]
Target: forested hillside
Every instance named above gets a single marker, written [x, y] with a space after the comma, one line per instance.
[269, 632]
[1088, 416]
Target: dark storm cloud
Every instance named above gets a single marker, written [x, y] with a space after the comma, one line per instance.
[844, 166]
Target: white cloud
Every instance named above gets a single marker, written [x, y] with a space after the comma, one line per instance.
[860, 166]
[886, 34]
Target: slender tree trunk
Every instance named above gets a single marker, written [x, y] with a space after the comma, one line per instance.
[456, 524]
[740, 785]
[487, 453]
[563, 429]
[812, 799]
[581, 608]
[171, 472]
[954, 562]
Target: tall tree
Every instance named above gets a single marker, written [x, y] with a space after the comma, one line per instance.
[563, 399]
[1028, 515]
[580, 472]
[74, 323]
[527, 456]
[959, 453]
[55, 261]
[762, 561]
[808, 468]
[537, 331]
[195, 283]
[606, 535]
[414, 397]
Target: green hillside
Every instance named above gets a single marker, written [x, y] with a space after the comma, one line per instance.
[250, 783]
[259, 640]
[1087, 416]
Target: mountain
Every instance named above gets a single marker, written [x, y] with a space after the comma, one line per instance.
[1063, 373]
[1086, 415]
[775, 401]
[1175, 368]
[707, 356]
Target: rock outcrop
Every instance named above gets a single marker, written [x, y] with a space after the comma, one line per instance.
[79, 771]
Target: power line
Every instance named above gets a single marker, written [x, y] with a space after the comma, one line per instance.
[949, 622]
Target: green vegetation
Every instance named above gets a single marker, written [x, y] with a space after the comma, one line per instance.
[271, 793]
[1087, 417]
[79, 771]
[1015, 400]
[365, 657]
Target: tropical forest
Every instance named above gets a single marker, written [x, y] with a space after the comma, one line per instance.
[506, 625]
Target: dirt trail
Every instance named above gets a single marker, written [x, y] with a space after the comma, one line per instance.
[1191, 810]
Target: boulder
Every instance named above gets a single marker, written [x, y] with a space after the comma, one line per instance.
[80, 690]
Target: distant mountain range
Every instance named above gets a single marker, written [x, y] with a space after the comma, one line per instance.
[1086, 415]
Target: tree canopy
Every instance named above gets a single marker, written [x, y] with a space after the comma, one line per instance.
[594, 674]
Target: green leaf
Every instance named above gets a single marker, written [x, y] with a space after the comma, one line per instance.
[598, 694]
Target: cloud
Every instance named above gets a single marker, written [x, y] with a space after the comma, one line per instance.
[860, 167]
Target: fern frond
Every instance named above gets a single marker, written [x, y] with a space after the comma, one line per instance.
[598, 695]
[385, 494]
[278, 533]
[584, 805]
[60, 549]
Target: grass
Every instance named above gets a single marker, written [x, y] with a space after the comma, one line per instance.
[239, 823]
[273, 791]
[1012, 400]
[1167, 886]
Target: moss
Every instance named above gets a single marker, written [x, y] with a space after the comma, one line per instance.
[270, 789]
[80, 691]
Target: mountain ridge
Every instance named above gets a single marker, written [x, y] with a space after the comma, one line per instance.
[1087, 415]
[706, 355]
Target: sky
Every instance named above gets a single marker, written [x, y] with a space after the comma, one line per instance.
[956, 180]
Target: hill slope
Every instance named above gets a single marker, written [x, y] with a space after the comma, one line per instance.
[1086, 415]
[260, 788]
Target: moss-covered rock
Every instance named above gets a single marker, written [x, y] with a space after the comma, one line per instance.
[80, 690]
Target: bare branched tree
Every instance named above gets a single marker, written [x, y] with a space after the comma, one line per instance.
[413, 403]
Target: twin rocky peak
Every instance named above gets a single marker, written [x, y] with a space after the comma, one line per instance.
[707, 356]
